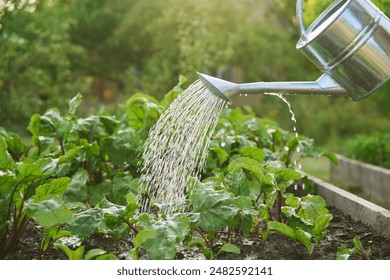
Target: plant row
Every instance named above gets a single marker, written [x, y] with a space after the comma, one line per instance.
[78, 178]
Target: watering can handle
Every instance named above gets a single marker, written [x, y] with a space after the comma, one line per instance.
[301, 24]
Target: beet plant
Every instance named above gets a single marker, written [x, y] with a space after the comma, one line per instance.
[79, 179]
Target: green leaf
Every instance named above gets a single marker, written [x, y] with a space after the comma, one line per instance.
[215, 207]
[169, 233]
[142, 110]
[240, 185]
[121, 186]
[14, 143]
[7, 185]
[94, 253]
[6, 160]
[26, 172]
[50, 212]
[77, 188]
[312, 206]
[144, 235]
[55, 187]
[86, 223]
[222, 155]
[358, 244]
[72, 255]
[253, 152]
[248, 164]
[289, 174]
[305, 238]
[321, 224]
[281, 228]
[343, 253]
[229, 248]
[74, 104]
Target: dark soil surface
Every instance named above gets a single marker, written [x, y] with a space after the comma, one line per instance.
[342, 230]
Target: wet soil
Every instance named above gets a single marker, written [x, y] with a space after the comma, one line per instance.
[342, 230]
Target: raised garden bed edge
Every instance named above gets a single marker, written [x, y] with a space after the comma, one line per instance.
[358, 208]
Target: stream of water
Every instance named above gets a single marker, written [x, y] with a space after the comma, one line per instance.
[176, 148]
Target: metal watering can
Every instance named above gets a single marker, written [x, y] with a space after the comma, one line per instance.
[349, 42]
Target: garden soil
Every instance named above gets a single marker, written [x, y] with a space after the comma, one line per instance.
[342, 230]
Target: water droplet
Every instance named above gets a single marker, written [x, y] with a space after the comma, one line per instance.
[294, 128]
[303, 186]
[295, 187]
[223, 144]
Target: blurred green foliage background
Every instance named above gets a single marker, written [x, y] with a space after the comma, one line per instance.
[108, 50]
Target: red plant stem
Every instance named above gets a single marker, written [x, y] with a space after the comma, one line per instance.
[279, 206]
[204, 238]
[130, 225]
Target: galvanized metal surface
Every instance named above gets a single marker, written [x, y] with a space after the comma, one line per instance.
[349, 42]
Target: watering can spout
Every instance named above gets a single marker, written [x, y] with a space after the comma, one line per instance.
[225, 90]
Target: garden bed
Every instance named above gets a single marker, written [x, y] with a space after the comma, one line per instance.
[342, 229]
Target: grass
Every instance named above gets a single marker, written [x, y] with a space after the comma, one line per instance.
[319, 168]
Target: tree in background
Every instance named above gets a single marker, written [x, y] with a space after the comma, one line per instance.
[108, 50]
[36, 59]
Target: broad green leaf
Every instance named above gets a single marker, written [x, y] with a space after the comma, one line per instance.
[343, 253]
[229, 248]
[144, 235]
[304, 238]
[239, 184]
[55, 187]
[142, 110]
[217, 218]
[253, 152]
[110, 208]
[50, 212]
[72, 255]
[222, 155]
[312, 206]
[169, 234]
[86, 223]
[14, 144]
[110, 123]
[292, 201]
[113, 215]
[74, 104]
[6, 160]
[321, 224]
[48, 166]
[26, 172]
[215, 207]
[248, 164]
[77, 188]
[94, 253]
[281, 228]
[121, 187]
[7, 185]
[358, 244]
[289, 174]
[108, 256]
